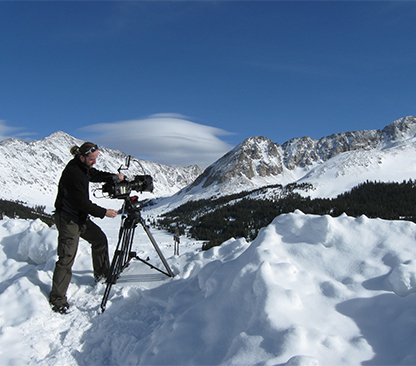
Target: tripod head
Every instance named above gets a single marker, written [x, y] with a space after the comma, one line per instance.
[131, 212]
[132, 204]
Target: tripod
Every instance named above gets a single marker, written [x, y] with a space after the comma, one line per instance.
[123, 254]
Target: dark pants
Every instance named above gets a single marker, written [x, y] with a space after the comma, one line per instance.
[68, 239]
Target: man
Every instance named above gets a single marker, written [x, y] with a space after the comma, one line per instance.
[73, 207]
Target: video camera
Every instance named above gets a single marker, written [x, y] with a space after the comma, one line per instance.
[121, 188]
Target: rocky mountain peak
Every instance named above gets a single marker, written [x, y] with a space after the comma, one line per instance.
[400, 129]
[255, 156]
[259, 161]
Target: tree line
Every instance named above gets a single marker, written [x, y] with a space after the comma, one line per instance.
[240, 215]
[15, 209]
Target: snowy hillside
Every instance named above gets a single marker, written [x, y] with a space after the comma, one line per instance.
[310, 290]
[30, 171]
[394, 162]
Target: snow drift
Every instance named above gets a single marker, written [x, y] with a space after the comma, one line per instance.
[310, 290]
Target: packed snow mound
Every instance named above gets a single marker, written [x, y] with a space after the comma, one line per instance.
[403, 278]
[37, 243]
[310, 290]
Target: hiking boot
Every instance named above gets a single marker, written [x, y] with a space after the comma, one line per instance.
[61, 309]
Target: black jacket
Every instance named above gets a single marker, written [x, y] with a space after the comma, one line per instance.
[73, 199]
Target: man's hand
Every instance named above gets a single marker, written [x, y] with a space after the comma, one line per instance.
[111, 213]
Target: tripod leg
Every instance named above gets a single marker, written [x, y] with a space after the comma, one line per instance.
[112, 278]
[159, 252]
[120, 261]
[128, 241]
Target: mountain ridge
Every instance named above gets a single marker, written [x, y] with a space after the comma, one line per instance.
[258, 161]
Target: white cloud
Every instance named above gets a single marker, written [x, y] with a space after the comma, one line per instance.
[8, 131]
[164, 138]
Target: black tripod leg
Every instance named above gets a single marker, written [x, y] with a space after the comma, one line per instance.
[159, 252]
[112, 278]
[120, 261]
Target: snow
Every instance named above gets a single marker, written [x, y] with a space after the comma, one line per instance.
[309, 290]
[393, 163]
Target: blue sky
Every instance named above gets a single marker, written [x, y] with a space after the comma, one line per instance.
[184, 82]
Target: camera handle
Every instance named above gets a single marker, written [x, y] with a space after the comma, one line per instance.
[126, 164]
[123, 254]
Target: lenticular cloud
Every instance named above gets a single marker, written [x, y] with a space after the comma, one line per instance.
[166, 139]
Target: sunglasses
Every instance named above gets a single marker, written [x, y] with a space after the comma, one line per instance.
[91, 150]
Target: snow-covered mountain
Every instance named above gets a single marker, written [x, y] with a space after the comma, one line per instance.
[332, 164]
[30, 171]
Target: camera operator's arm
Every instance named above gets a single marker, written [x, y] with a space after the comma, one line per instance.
[100, 176]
